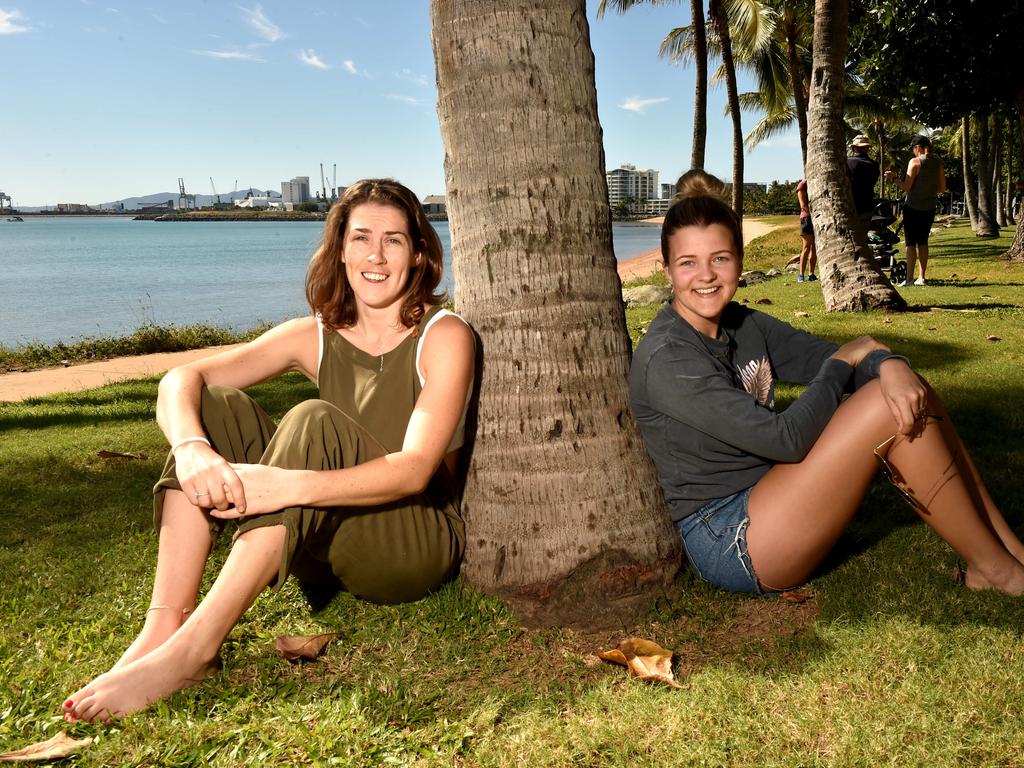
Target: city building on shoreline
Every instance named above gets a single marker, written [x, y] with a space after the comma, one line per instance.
[638, 190]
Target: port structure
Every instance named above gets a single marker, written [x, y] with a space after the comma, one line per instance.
[4, 197]
[183, 197]
[214, 191]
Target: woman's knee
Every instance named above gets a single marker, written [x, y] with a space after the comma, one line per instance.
[314, 435]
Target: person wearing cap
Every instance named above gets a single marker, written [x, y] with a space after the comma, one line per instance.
[863, 172]
[924, 181]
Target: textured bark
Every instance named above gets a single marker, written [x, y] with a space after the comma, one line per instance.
[1016, 251]
[987, 226]
[850, 278]
[565, 519]
[1008, 190]
[700, 96]
[721, 22]
[997, 169]
[796, 77]
[970, 180]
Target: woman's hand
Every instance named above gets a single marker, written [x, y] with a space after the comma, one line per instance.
[905, 394]
[206, 478]
[853, 352]
[267, 489]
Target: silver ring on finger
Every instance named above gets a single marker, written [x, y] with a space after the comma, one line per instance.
[199, 494]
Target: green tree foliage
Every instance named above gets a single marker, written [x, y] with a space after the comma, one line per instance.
[941, 59]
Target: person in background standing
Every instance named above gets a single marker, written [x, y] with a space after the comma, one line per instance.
[925, 180]
[863, 172]
[808, 253]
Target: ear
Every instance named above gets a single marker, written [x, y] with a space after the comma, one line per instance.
[418, 259]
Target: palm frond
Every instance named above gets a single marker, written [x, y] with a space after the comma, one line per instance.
[752, 24]
[768, 126]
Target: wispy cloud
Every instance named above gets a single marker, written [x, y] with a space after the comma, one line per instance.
[411, 77]
[9, 22]
[636, 104]
[309, 57]
[263, 26]
[158, 18]
[411, 100]
[350, 67]
[229, 55]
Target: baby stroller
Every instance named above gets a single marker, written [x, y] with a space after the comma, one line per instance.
[882, 241]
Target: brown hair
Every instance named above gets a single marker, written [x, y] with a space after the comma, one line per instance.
[327, 288]
[700, 202]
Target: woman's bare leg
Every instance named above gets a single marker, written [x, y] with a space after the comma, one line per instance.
[798, 511]
[188, 655]
[184, 547]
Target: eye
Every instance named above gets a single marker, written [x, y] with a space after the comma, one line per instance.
[394, 241]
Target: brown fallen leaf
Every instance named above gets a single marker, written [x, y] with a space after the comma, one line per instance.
[802, 314]
[303, 647]
[797, 595]
[56, 748]
[645, 660]
[992, 338]
[119, 455]
[886, 320]
[763, 301]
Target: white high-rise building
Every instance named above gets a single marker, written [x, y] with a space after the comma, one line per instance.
[295, 191]
[629, 181]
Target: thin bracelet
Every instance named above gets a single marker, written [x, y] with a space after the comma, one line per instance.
[193, 439]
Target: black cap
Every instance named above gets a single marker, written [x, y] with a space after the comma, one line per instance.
[920, 141]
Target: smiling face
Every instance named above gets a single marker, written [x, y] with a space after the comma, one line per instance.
[704, 271]
[378, 254]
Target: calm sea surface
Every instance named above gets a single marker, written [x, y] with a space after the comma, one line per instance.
[66, 278]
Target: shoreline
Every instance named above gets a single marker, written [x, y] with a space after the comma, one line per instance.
[21, 385]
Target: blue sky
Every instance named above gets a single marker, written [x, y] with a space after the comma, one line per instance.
[104, 99]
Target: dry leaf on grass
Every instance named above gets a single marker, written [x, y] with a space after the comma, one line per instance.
[56, 748]
[118, 455]
[763, 301]
[887, 320]
[797, 595]
[303, 647]
[802, 314]
[992, 338]
[644, 659]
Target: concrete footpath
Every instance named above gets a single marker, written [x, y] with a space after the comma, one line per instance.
[50, 381]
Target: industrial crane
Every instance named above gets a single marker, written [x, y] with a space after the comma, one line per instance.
[214, 191]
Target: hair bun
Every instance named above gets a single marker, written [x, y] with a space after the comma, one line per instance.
[697, 183]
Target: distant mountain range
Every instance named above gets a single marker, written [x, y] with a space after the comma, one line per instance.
[134, 203]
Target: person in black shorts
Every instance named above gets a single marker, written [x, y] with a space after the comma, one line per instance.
[808, 253]
[925, 180]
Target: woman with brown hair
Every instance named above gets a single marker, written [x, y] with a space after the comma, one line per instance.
[352, 491]
[760, 497]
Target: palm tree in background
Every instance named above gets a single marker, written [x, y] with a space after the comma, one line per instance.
[735, 31]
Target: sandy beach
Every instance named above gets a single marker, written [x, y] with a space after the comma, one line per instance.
[49, 381]
[650, 261]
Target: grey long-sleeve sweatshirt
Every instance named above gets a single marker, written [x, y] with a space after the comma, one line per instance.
[705, 406]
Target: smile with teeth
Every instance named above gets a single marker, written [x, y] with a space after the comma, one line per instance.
[375, 277]
[706, 291]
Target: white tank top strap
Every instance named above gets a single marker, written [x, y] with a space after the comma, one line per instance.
[419, 342]
[319, 344]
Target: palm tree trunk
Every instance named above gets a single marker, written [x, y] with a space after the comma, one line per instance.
[721, 22]
[882, 143]
[700, 96]
[1008, 194]
[1016, 250]
[796, 76]
[997, 169]
[986, 203]
[970, 180]
[564, 515]
[850, 278]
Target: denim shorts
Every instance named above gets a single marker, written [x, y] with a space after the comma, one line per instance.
[715, 541]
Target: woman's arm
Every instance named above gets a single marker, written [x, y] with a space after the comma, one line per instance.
[291, 346]
[447, 362]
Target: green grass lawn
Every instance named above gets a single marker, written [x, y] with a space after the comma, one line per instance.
[890, 663]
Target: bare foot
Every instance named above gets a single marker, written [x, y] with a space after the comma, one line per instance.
[162, 621]
[1011, 582]
[134, 686]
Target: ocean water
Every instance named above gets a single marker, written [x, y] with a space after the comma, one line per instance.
[68, 278]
